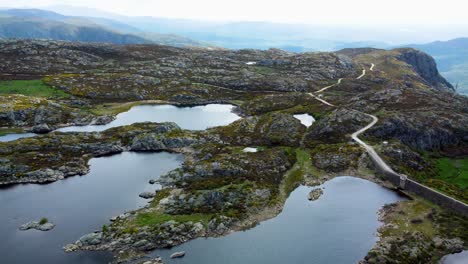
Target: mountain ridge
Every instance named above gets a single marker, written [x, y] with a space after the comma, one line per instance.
[43, 24]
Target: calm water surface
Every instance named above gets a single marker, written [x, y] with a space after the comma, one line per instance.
[15, 136]
[337, 228]
[193, 118]
[458, 258]
[77, 205]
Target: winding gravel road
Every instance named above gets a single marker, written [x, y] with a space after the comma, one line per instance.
[362, 75]
[380, 162]
[384, 166]
[328, 87]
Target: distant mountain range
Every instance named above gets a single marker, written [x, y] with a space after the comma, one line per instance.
[42, 24]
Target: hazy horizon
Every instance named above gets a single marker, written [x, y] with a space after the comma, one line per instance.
[401, 22]
[330, 12]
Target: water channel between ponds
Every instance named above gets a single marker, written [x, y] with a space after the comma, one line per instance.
[193, 118]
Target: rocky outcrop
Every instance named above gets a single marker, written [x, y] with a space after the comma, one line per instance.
[336, 127]
[157, 260]
[403, 237]
[270, 129]
[156, 142]
[147, 195]
[179, 254]
[41, 114]
[315, 194]
[168, 234]
[41, 129]
[266, 166]
[38, 225]
[426, 67]
[423, 130]
[336, 158]
[55, 156]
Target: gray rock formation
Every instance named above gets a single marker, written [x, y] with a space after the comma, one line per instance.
[41, 129]
[426, 67]
[37, 225]
[315, 194]
[147, 195]
[179, 254]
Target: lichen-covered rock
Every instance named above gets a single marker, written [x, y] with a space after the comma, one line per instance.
[426, 67]
[37, 225]
[91, 239]
[315, 194]
[270, 129]
[41, 129]
[336, 127]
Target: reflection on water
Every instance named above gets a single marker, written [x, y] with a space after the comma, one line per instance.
[193, 118]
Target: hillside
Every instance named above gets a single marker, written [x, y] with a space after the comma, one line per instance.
[452, 60]
[41, 24]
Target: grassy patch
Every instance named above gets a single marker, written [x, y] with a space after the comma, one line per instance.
[453, 171]
[43, 221]
[31, 88]
[158, 218]
[263, 70]
[295, 176]
[112, 108]
[408, 211]
[5, 131]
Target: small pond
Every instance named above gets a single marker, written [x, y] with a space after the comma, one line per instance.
[306, 119]
[193, 118]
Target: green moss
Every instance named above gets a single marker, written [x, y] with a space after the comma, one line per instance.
[411, 227]
[157, 218]
[296, 175]
[161, 194]
[453, 171]
[5, 131]
[31, 88]
[43, 221]
[111, 108]
[263, 70]
[407, 211]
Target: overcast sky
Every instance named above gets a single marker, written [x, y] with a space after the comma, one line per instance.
[340, 12]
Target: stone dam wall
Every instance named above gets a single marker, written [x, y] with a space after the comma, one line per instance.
[406, 184]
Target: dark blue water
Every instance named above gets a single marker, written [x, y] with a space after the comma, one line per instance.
[193, 118]
[338, 228]
[77, 205]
